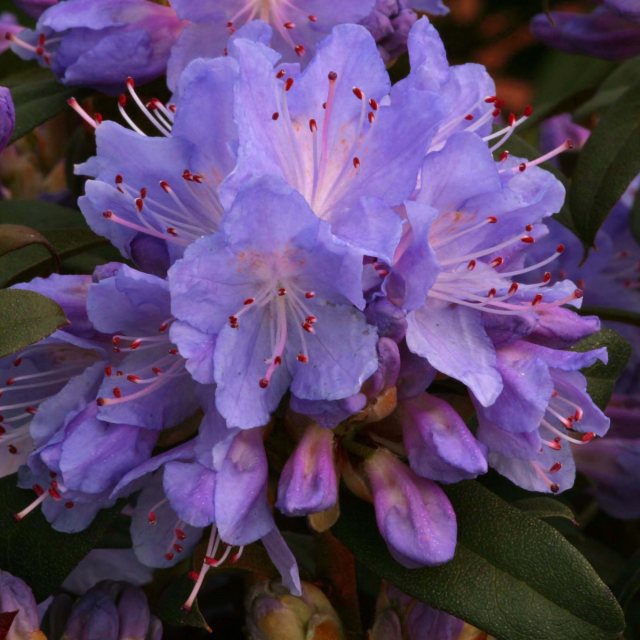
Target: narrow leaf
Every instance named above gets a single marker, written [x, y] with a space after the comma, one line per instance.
[513, 575]
[609, 161]
[169, 607]
[26, 318]
[601, 378]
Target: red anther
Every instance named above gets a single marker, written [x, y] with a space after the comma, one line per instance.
[536, 300]
[373, 104]
[42, 39]
[282, 291]
[578, 293]
[173, 352]
[324, 105]
[491, 99]
[229, 25]
[496, 112]
[164, 185]
[513, 288]
[356, 162]
[512, 119]
[108, 370]
[333, 76]
[12, 449]
[17, 362]
[98, 117]
[143, 192]
[38, 490]
[107, 214]
[527, 239]
[588, 437]
[119, 179]
[192, 575]
[10, 382]
[151, 518]
[569, 144]
[187, 175]
[289, 25]
[313, 125]
[169, 556]
[492, 219]
[133, 378]
[249, 301]
[554, 488]
[156, 370]
[136, 343]
[54, 493]
[117, 392]
[288, 84]
[302, 358]
[469, 116]
[101, 402]
[311, 319]
[116, 340]
[372, 117]
[357, 92]
[528, 110]
[313, 18]
[264, 383]
[529, 228]
[308, 327]
[492, 293]
[281, 74]
[180, 534]
[555, 467]
[178, 548]
[546, 278]
[119, 373]
[172, 231]
[471, 265]
[39, 51]
[47, 59]
[560, 248]
[299, 49]
[233, 322]
[163, 327]
[209, 561]
[69, 504]
[122, 100]
[503, 156]
[139, 204]
[275, 115]
[277, 360]
[131, 82]
[309, 295]
[31, 410]
[522, 167]
[499, 103]
[497, 262]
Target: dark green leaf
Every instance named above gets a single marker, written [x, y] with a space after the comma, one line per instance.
[17, 236]
[613, 315]
[543, 507]
[32, 550]
[611, 90]
[564, 76]
[37, 97]
[169, 606]
[628, 584]
[608, 163]
[40, 215]
[513, 575]
[601, 378]
[26, 318]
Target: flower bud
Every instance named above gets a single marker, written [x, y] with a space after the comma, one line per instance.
[15, 596]
[274, 614]
[414, 515]
[309, 482]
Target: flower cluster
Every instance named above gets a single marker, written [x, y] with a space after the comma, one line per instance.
[315, 251]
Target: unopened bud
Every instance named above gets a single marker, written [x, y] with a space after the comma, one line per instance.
[274, 614]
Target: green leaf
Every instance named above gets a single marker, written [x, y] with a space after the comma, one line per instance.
[628, 583]
[608, 163]
[601, 378]
[26, 318]
[169, 609]
[32, 550]
[513, 575]
[613, 315]
[544, 507]
[37, 97]
[16, 236]
[612, 89]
